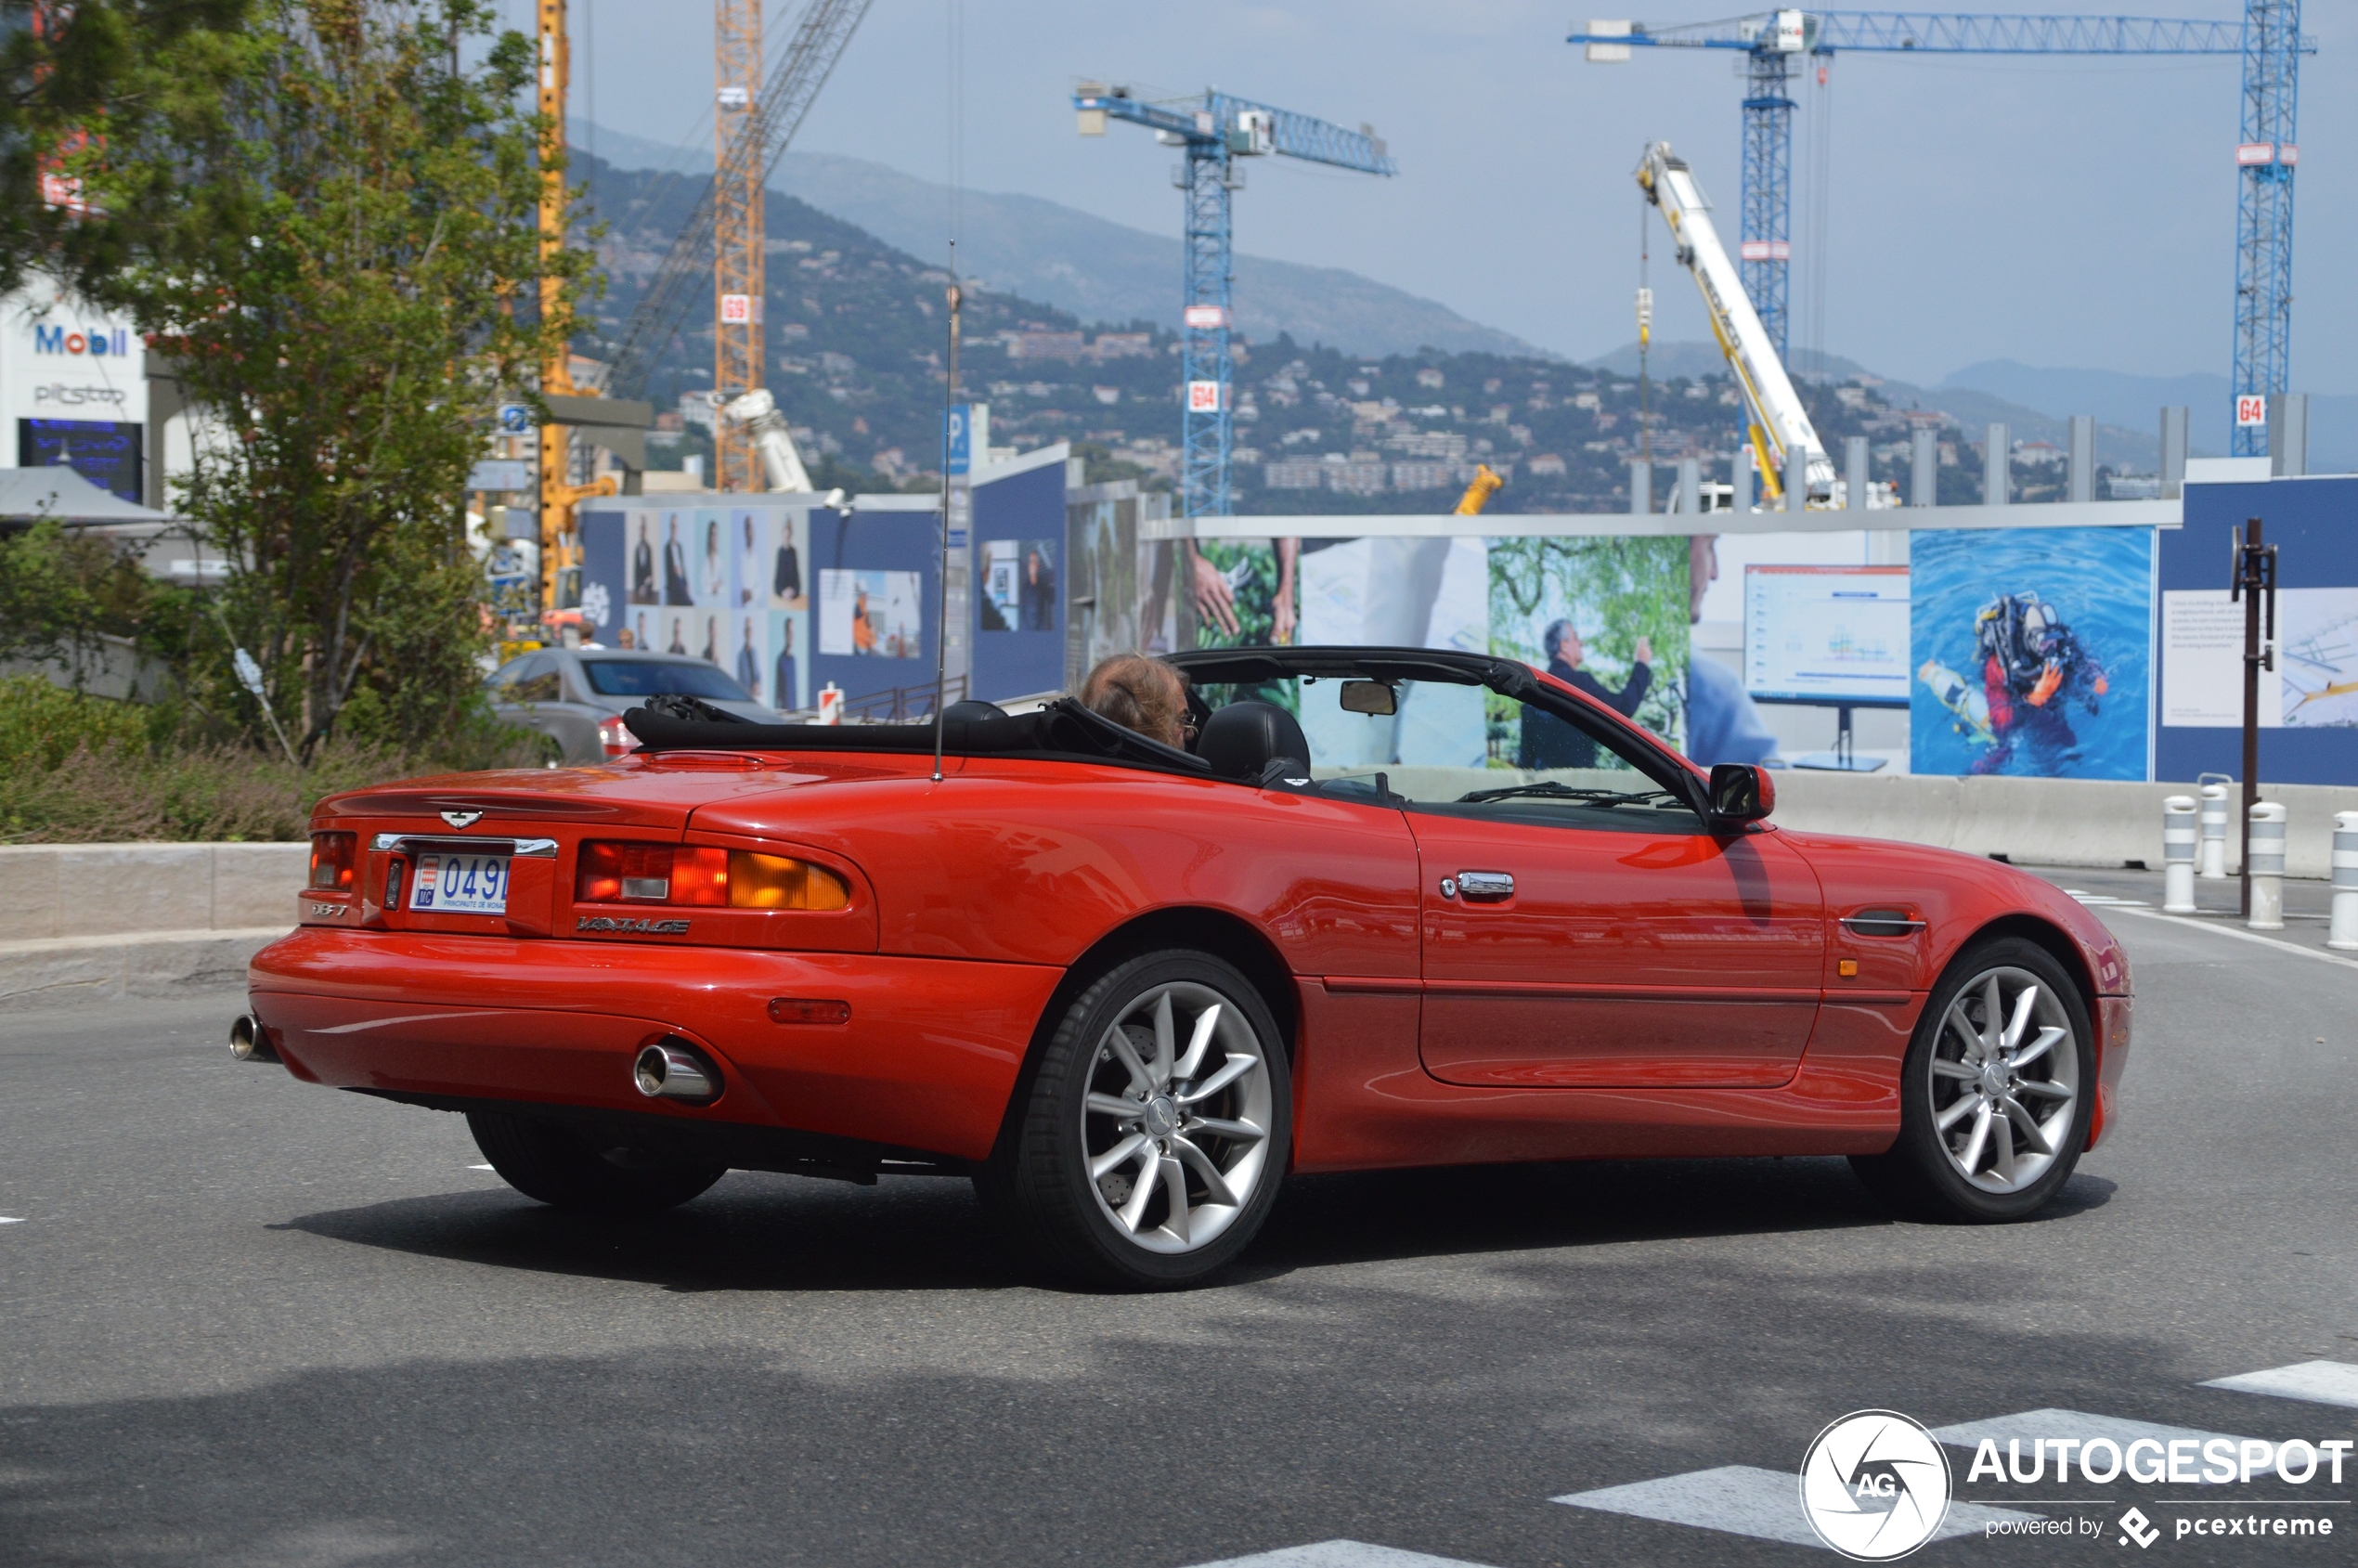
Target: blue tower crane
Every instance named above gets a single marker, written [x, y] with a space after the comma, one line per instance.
[1214, 131]
[2268, 39]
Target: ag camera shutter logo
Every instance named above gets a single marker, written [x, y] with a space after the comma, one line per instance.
[1874, 1485]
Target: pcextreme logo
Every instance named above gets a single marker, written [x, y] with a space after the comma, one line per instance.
[98, 342]
[1874, 1485]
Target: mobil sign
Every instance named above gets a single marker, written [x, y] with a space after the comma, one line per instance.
[95, 342]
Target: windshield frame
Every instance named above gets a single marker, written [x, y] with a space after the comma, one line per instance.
[1509, 677]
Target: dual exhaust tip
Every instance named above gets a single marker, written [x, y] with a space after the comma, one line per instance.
[672, 1069]
[249, 1042]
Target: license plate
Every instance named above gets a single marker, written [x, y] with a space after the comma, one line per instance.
[462, 884]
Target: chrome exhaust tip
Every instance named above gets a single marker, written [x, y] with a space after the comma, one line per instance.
[249, 1042]
[669, 1070]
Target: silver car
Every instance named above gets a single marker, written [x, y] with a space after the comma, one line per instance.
[577, 697]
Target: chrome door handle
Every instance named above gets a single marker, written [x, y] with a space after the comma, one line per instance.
[1485, 887]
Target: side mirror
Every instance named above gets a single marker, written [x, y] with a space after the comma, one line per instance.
[1741, 793]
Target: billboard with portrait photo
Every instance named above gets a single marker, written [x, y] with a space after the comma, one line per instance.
[871, 614]
[1607, 613]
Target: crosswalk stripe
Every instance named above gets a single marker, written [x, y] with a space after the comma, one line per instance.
[2320, 1382]
[2071, 1424]
[1340, 1554]
[1748, 1500]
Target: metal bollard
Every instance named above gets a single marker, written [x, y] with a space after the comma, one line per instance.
[2343, 932]
[2267, 854]
[2178, 855]
[2214, 863]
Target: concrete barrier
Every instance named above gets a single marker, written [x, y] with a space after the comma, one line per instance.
[53, 890]
[98, 922]
[2036, 821]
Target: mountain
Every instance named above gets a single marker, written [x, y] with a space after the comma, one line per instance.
[2124, 446]
[2137, 401]
[1099, 271]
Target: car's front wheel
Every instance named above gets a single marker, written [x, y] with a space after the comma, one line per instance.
[543, 1161]
[1155, 1130]
[1995, 1091]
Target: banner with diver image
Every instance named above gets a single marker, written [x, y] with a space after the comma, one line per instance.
[2033, 652]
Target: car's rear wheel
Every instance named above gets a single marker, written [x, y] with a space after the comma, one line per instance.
[1995, 1091]
[1154, 1130]
[544, 1162]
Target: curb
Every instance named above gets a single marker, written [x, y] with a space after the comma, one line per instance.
[59, 970]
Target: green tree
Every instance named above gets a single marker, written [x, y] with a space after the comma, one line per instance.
[347, 280]
[65, 71]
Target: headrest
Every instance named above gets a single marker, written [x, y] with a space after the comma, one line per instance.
[974, 711]
[1243, 738]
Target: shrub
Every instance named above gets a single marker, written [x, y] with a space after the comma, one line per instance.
[81, 770]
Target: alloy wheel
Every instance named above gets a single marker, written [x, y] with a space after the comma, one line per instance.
[1175, 1121]
[2005, 1080]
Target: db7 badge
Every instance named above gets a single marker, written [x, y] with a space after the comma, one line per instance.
[631, 927]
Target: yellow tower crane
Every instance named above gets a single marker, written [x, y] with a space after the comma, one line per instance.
[739, 263]
[558, 493]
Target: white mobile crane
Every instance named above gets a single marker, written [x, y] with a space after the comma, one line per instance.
[1779, 422]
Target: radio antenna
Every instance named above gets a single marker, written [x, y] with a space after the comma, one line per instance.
[941, 624]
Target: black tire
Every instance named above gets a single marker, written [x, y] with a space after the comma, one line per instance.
[544, 1162]
[1923, 1172]
[1037, 1186]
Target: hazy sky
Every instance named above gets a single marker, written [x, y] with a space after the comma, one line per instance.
[2061, 213]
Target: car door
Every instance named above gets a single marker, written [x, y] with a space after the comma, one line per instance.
[1578, 945]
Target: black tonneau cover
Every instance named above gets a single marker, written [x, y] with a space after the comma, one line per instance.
[1064, 730]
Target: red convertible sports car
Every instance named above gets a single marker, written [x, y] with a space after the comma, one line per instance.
[1127, 988]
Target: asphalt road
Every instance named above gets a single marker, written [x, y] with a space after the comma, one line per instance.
[246, 1321]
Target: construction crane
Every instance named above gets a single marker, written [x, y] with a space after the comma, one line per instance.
[761, 133]
[1779, 426]
[1773, 42]
[740, 264]
[559, 494]
[1484, 484]
[1213, 132]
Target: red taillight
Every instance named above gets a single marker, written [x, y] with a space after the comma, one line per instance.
[616, 736]
[332, 859]
[705, 875]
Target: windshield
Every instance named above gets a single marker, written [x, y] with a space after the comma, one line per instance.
[651, 677]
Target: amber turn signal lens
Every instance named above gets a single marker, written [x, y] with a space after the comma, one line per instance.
[800, 1010]
[1849, 968]
[775, 882]
[333, 858]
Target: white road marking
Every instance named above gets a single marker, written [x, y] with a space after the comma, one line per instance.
[2320, 1382]
[2080, 1425]
[478, 1167]
[2269, 942]
[2108, 900]
[9, 1220]
[1747, 1500]
[1340, 1554]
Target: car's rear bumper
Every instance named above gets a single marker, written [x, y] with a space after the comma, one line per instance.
[926, 1061]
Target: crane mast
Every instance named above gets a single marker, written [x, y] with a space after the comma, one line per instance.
[1777, 421]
